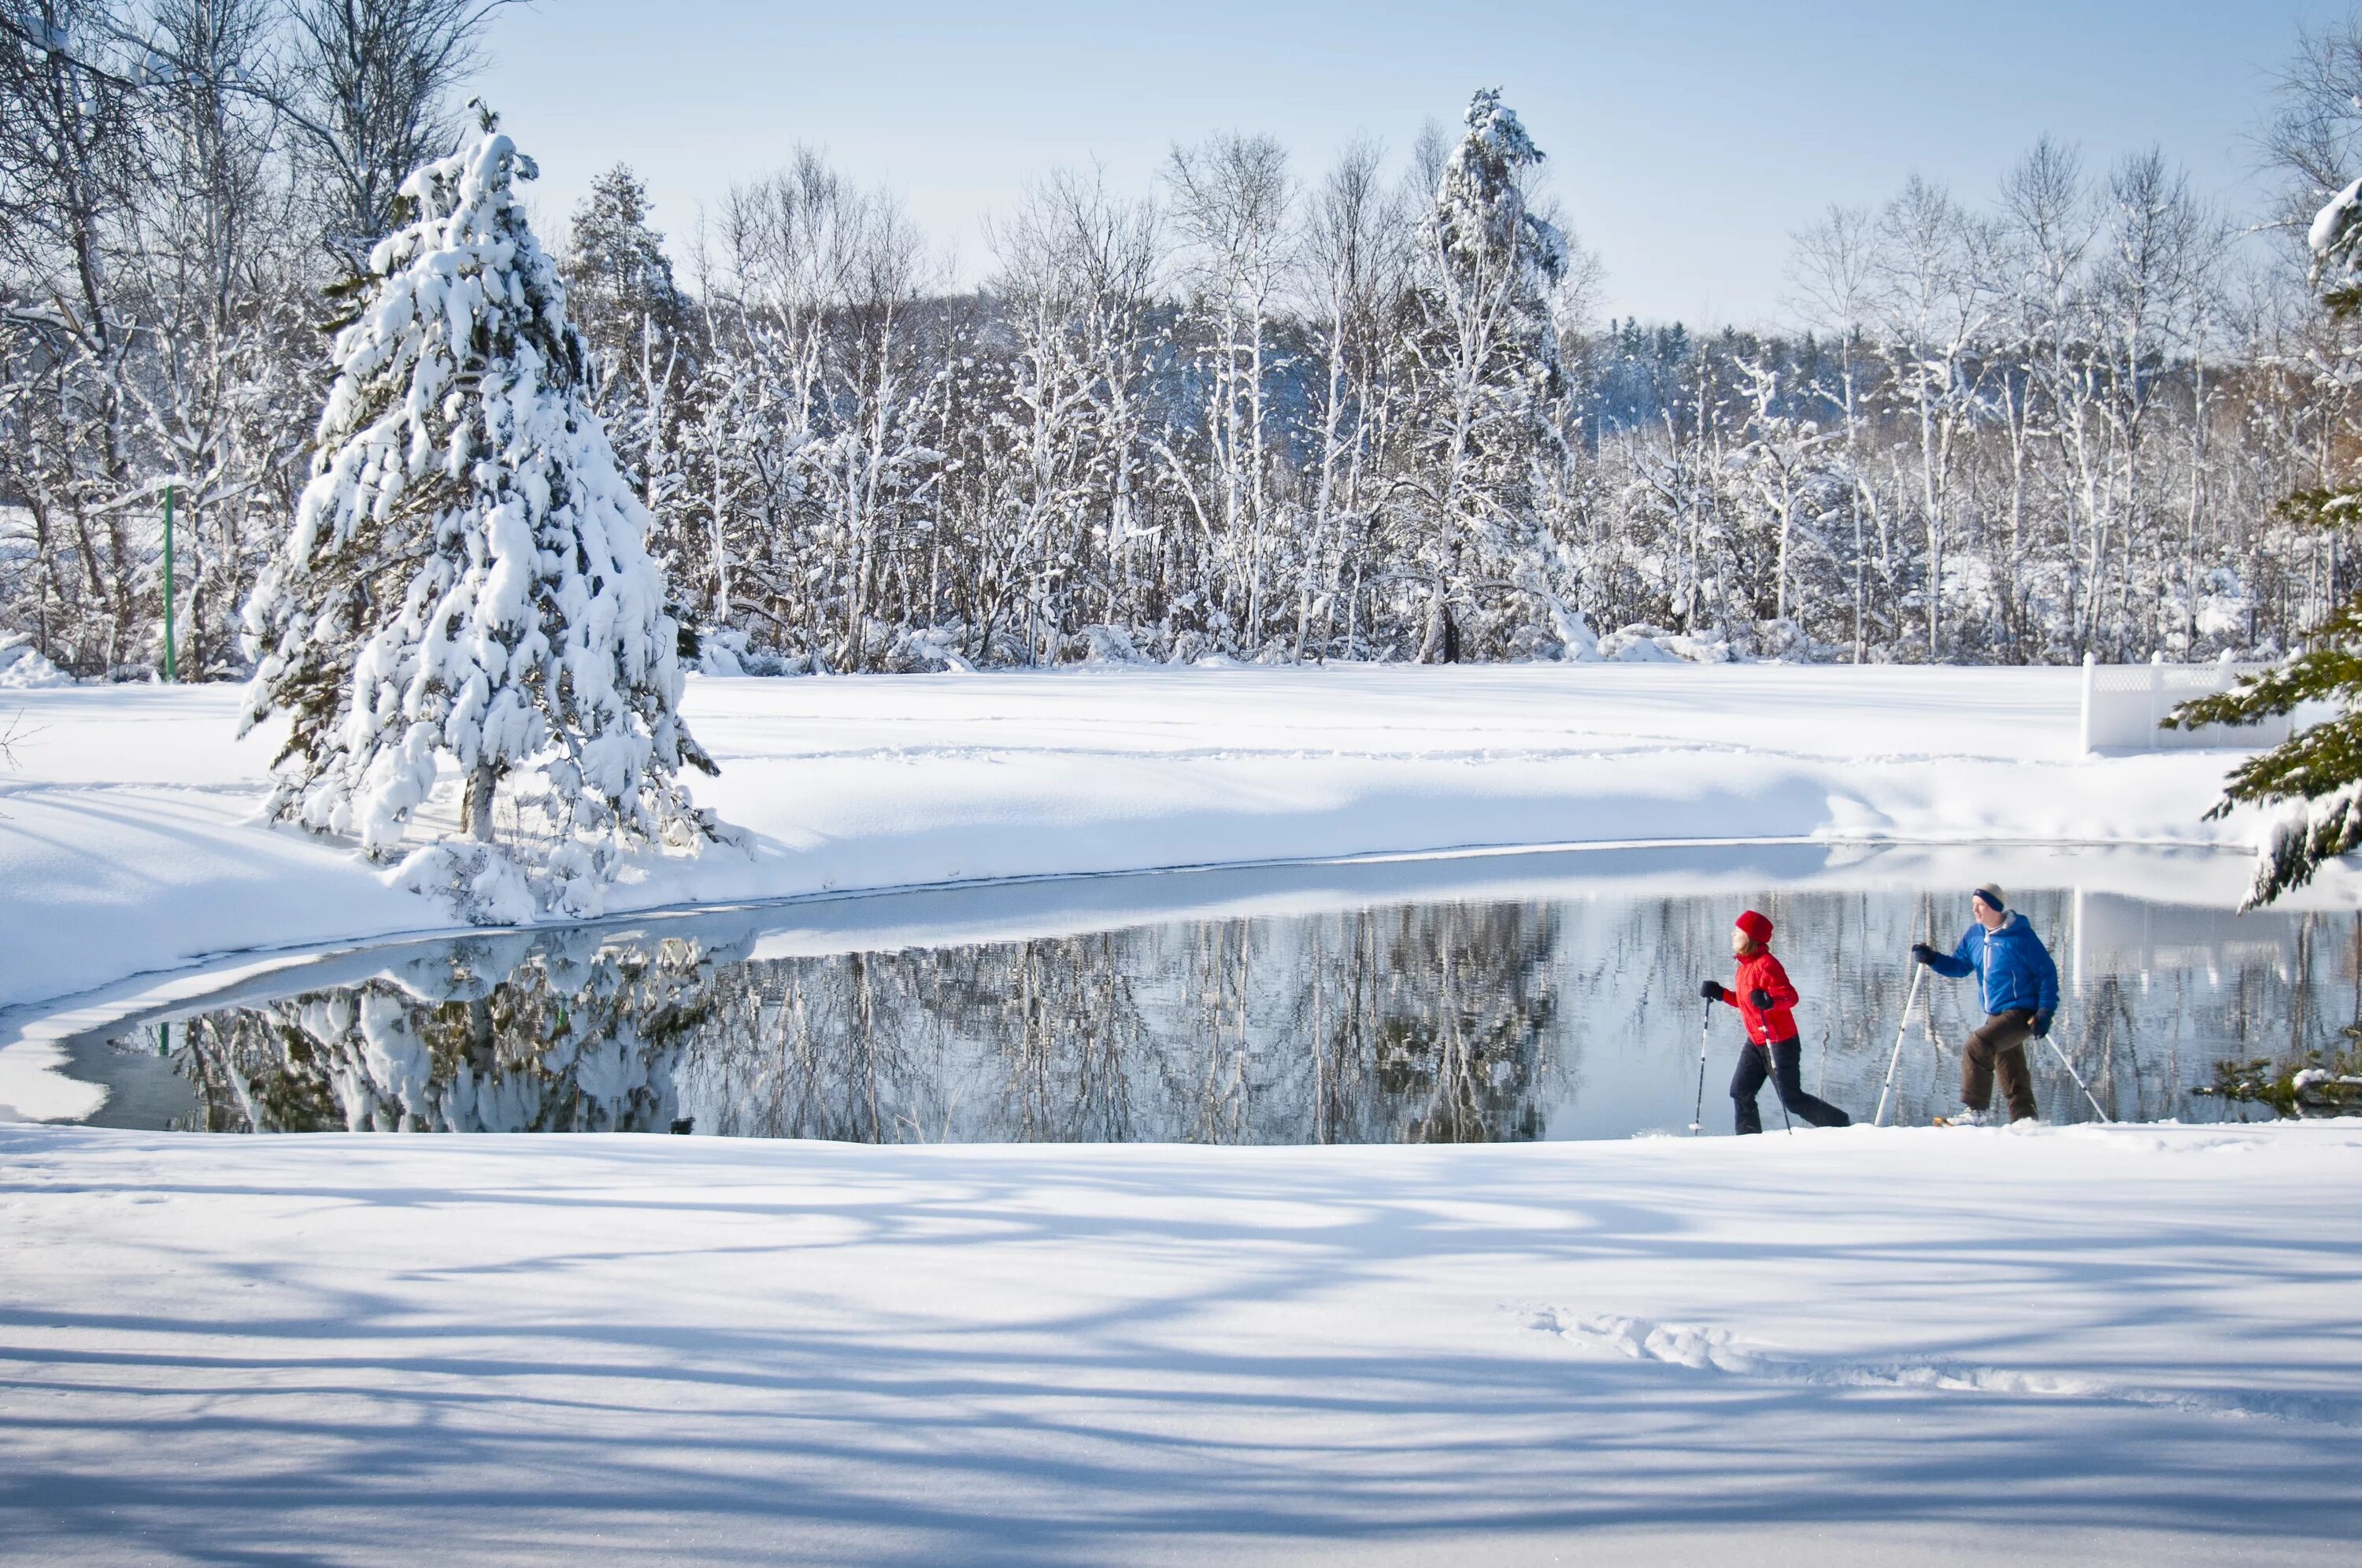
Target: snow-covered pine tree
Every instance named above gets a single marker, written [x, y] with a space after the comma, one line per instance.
[467, 576]
[621, 293]
[2320, 767]
[1487, 357]
[616, 272]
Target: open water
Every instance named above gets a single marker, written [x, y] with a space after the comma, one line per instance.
[1559, 1002]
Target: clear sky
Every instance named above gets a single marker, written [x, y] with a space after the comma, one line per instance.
[1687, 139]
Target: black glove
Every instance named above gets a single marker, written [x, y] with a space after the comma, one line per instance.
[1761, 1000]
[1922, 953]
[1712, 990]
[2042, 1023]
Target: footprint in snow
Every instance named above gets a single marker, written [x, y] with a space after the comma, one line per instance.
[1705, 1349]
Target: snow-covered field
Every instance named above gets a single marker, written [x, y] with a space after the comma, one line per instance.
[2132, 1345]
[127, 844]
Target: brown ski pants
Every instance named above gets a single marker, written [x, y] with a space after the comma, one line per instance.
[1999, 1047]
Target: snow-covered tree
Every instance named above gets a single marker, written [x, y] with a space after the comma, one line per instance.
[1230, 198]
[2320, 767]
[1488, 358]
[1355, 258]
[620, 291]
[467, 576]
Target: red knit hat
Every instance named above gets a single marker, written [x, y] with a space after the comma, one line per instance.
[1756, 928]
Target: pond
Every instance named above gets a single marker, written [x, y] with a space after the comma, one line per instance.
[1548, 997]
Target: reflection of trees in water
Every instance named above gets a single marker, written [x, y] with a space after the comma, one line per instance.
[812, 1048]
[573, 1035]
[1468, 1009]
[1281, 1031]
[1446, 1022]
[906, 1048]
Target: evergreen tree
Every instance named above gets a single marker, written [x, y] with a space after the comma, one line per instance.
[617, 275]
[467, 576]
[2320, 765]
[1486, 355]
[638, 322]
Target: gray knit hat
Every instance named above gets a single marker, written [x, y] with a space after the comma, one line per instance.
[1991, 893]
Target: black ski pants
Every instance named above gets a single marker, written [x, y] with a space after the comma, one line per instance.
[1785, 1068]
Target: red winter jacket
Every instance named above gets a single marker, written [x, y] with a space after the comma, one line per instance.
[1762, 973]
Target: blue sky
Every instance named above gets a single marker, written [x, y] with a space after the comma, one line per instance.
[1686, 142]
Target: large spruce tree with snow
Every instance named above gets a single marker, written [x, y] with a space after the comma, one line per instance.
[468, 575]
[2321, 766]
[1486, 356]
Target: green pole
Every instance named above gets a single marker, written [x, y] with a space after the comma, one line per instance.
[171, 671]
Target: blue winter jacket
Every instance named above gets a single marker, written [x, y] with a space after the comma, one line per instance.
[2015, 966]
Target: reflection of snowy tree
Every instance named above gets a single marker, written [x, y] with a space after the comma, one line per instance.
[1461, 1036]
[1071, 1024]
[1425, 1024]
[575, 1035]
[816, 1048]
[1028, 1040]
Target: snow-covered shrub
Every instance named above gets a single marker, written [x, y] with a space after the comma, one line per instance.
[467, 576]
[1654, 645]
[926, 649]
[721, 653]
[1104, 644]
[1634, 644]
[22, 666]
[1193, 647]
[482, 886]
[1783, 642]
[730, 651]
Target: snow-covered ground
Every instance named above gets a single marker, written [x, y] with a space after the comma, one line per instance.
[2132, 1345]
[127, 844]
[2129, 1345]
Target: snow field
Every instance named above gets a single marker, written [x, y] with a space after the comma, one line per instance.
[2091, 1345]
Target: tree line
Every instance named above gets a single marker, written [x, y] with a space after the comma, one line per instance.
[1261, 412]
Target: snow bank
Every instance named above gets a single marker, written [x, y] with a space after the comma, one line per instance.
[2097, 1345]
[127, 842]
[25, 667]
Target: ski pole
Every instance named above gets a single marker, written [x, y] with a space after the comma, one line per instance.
[1705, 1032]
[1778, 1091]
[1918, 972]
[2065, 1062]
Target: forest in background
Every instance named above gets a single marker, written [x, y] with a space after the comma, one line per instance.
[1264, 412]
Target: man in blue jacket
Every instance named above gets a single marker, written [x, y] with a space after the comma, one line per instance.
[2021, 992]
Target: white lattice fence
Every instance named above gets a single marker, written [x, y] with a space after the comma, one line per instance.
[2123, 704]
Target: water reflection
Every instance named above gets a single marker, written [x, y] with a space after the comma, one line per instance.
[511, 1034]
[1467, 1021]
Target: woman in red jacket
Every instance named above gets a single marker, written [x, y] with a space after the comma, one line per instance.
[1765, 1000]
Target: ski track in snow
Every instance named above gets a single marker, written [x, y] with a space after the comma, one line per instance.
[1699, 1348]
